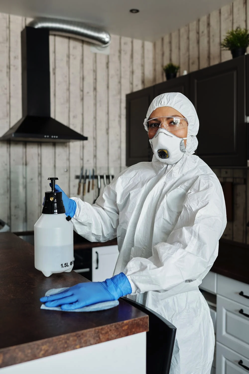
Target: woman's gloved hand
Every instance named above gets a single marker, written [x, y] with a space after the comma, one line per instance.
[69, 204]
[84, 294]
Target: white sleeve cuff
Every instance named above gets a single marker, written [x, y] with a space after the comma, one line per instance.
[77, 206]
[133, 286]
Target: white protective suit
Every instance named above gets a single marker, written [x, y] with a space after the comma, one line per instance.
[168, 220]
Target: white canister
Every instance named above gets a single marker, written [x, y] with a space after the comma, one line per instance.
[53, 236]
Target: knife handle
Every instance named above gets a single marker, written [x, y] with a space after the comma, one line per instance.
[93, 184]
[84, 189]
[79, 188]
[89, 186]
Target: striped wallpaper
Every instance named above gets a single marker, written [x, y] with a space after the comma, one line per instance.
[197, 45]
[88, 94]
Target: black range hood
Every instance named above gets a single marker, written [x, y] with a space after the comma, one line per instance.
[37, 125]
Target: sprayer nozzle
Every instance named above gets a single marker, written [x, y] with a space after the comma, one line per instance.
[53, 179]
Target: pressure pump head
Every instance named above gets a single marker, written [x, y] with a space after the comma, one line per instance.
[52, 184]
[53, 203]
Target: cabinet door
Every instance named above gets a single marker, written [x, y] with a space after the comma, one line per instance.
[103, 262]
[218, 93]
[233, 325]
[180, 84]
[137, 145]
[230, 362]
[233, 289]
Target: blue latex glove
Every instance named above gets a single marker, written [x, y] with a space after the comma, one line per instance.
[69, 204]
[84, 294]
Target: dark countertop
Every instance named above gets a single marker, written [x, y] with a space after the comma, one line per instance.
[27, 332]
[232, 261]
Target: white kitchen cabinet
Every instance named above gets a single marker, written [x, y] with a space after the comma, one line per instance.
[103, 262]
[230, 362]
[232, 346]
[209, 283]
[233, 289]
[232, 325]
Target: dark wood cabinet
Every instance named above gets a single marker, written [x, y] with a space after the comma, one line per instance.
[137, 145]
[180, 84]
[219, 95]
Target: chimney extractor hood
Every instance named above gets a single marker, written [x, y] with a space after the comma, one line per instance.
[37, 125]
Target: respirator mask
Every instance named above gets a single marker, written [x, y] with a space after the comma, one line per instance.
[166, 146]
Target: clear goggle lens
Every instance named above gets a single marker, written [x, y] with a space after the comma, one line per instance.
[171, 124]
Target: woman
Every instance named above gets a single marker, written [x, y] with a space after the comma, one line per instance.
[168, 216]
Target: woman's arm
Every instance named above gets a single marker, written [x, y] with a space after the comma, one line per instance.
[98, 222]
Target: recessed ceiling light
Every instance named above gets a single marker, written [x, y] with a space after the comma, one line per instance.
[134, 11]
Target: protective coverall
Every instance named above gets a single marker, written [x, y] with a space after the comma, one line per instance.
[168, 220]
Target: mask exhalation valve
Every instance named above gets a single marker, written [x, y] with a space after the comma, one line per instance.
[163, 153]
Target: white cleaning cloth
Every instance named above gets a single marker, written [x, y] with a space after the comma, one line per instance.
[90, 308]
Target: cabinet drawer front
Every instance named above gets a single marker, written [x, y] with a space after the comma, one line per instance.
[231, 289]
[209, 283]
[227, 361]
[233, 327]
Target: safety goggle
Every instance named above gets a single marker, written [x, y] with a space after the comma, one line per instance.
[172, 123]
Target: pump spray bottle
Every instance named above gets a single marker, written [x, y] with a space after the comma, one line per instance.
[53, 234]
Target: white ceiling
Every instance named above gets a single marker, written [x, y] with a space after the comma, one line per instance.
[155, 19]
